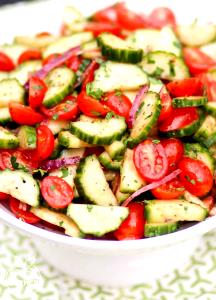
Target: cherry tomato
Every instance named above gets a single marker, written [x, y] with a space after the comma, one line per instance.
[22, 157]
[108, 14]
[166, 103]
[209, 202]
[162, 16]
[56, 191]
[195, 176]
[170, 190]
[209, 85]
[90, 106]
[179, 118]
[150, 160]
[118, 103]
[66, 110]
[73, 63]
[3, 196]
[37, 91]
[88, 75]
[6, 63]
[45, 143]
[43, 34]
[29, 55]
[174, 150]
[50, 57]
[197, 61]
[133, 227]
[185, 87]
[24, 115]
[99, 27]
[21, 211]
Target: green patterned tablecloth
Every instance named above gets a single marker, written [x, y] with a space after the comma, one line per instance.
[24, 275]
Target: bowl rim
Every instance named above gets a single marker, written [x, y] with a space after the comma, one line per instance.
[127, 245]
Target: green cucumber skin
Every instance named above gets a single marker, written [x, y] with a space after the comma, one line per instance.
[132, 56]
[152, 230]
[206, 141]
[31, 137]
[211, 110]
[10, 144]
[188, 102]
[108, 163]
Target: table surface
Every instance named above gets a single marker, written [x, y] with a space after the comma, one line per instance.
[24, 275]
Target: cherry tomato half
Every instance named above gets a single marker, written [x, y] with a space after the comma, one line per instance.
[21, 211]
[118, 103]
[73, 63]
[162, 16]
[43, 34]
[209, 202]
[197, 61]
[179, 118]
[29, 55]
[150, 160]
[166, 105]
[45, 143]
[6, 63]
[3, 196]
[90, 106]
[66, 110]
[133, 227]
[195, 176]
[56, 191]
[170, 190]
[108, 14]
[185, 87]
[37, 91]
[50, 57]
[22, 157]
[174, 150]
[24, 115]
[99, 27]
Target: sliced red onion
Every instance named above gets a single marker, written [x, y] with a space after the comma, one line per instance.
[59, 163]
[152, 185]
[136, 104]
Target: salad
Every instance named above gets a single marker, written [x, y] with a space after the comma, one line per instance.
[108, 131]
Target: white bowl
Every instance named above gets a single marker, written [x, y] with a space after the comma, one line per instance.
[108, 263]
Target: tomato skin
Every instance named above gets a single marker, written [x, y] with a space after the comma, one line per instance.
[90, 106]
[67, 110]
[133, 227]
[24, 115]
[118, 103]
[186, 87]
[37, 91]
[108, 14]
[150, 160]
[89, 77]
[42, 34]
[50, 57]
[170, 190]
[195, 176]
[22, 156]
[174, 150]
[197, 61]
[166, 105]
[56, 191]
[179, 118]
[29, 55]
[21, 211]
[209, 202]
[6, 63]
[73, 63]
[3, 196]
[211, 90]
[162, 16]
[99, 27]
[45, 143]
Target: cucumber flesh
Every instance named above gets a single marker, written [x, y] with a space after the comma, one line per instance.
[27, 137]
[206, 133]
[7, 139]
[189, 101]
[11, 91]
[35, 42]
[5, 116]
[210, 107]
[108, 163]
[152, 229]
[57, 126]
[97, 220]
[69, 140]
[24, 70]
[13, 51]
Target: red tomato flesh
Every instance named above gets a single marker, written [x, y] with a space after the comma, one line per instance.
[185, 87]
[166, 105]
[29, 55]
[6, 63]
[22, 157]
[3, 196]
[108, 14]
[37, 91]
[57, 192]
[45, 143]
[174, 150]
[160, 17]
[170, 190]
[209, 202]
[99, 27]
[24, 115]
[150, 160]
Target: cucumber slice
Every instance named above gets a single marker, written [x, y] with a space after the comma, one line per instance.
[157, 229]
[4, 75]
[57, 219]
[60, 82]
[57, 125]
[155, 85]
[117, 49]
[87, 50]
[11, 91]
[210, 50]
[210, 107]
[95, 219]
[146, 117]
[212, 151]
[169, 42]
[57, 149]
[7, 139]
[65, 43]
[5, 116]
[27, 137]
[121, 197]
[165, 65]
[35, 42]
[206, 134]
[116, 149]
[196, 35]
[99, 131]
[130, 179]
[108, 163]
[20, 185]
[91, 182]
[68, 140]
[13, 51]
[163, 211]
[23, 71]
[197, 151]
[189, 101]
[116, 76]
[71, 15]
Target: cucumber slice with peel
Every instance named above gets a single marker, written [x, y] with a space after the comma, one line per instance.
[11, 91]
[7, 139]
[156, 229]
[189, 101]
[206, 133]
[27, 137]
[108, 163]
[68, 140]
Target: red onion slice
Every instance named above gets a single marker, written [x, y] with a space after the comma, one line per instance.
[152, 185]
[135, 105]
[59, 163]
